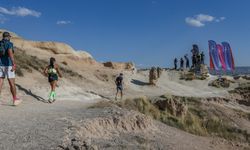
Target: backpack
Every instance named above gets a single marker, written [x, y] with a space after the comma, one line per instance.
[119, 80]
[2, 48]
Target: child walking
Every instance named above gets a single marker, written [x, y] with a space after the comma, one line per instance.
[52, 72]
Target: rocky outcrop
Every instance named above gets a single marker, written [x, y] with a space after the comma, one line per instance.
[45, 49]
[204, 70]
[159, 72]
[200, 72]
[174, 105]
[221, 83]
[119, 66]
[153, 76]
[188, 76]
[242, 94]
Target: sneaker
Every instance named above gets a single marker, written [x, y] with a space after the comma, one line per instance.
[17, 101]
[51, 100]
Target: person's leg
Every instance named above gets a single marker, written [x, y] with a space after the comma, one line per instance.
[2, 76]
[117, 91]
[52, 86]
[121, 94]
[12, 87]
[1, 84]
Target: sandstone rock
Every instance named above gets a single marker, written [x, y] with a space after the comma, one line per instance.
[174, 105]
[242, 94]
[153, 76]
[188, 76]
[221, 82]
[159, 72]
[204, 70]
[246, 77]
[121, 66]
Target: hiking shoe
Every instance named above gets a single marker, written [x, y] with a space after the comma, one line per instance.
[51, 100]
[17, 101]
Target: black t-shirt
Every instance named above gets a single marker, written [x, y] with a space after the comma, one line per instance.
[119, 81]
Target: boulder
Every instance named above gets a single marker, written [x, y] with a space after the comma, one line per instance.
[153, 76]
[159, 72]
[174, 105]
[220, 83]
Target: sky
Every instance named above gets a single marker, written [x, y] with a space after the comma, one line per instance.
[146, 32]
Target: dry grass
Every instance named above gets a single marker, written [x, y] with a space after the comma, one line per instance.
[198, 120]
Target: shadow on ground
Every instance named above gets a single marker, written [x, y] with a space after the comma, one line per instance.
[138, 82]
[28, 92]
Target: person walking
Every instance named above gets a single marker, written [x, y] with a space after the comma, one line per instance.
[187, 61]
[8, 66]
[52, 72]
[175, 63]
[181, 63]
[119, 85]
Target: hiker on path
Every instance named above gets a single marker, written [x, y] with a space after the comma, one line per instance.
[175, 63]
[187, 61]
[8, 66]
[119, 85]
[52, 72]
[181, 63]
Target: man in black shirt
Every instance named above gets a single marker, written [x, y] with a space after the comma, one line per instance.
[119, 85]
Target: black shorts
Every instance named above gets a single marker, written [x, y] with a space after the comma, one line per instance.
[52, 78]
[119, 88]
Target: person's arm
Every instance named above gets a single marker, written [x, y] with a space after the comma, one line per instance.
[45, 71]
[58, 71]
[11, 55]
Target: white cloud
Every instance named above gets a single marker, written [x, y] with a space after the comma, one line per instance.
[63, 22]
[204, 18]
[20, 11]
[220, 19]
[200, 20]
[194, 22]
[2, 19]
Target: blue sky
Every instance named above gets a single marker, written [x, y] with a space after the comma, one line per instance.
[147, 32]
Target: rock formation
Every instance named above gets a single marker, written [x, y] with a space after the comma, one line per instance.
[153, 76]
[119, 66]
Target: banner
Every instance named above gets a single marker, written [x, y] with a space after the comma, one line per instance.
[229, 60]
[214, 55]
[221, 56]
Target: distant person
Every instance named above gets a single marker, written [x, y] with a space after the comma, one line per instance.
[8, 66]
[202, 58]
[195, 50]
[119, 85]
[52, 72]
[187, 61]
[181, 63]
[198, 58]
[175, 63]
[194, 61]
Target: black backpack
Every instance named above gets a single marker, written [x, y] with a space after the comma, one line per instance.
[119, 80]
[2, 48]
